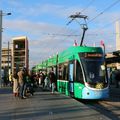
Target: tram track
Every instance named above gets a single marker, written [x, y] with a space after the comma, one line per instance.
[109, 108]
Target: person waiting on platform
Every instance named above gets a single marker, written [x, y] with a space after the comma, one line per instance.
[46, 83]
[15, 85]
[117, 78]
[52, 78]
[22, 82]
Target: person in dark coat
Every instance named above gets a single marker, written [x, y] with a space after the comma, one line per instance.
[117, 78]
[52, 78]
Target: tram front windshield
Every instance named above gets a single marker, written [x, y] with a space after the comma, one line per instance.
[95, 71]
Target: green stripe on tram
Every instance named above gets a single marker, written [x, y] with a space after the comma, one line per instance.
[62, 86]
[78, 90]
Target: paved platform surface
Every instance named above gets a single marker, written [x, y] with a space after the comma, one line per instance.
[45, 106]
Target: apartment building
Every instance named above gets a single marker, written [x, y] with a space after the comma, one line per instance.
[6, 60]
[20, 53]
[117, 35]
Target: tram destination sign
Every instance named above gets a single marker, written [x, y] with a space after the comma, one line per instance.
[93, 55]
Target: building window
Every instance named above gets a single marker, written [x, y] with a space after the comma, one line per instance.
[16, 46]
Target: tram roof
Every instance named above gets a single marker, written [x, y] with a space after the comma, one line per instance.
[82, 49]
[67, 55]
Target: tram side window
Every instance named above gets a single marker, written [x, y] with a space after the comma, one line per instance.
[54, 69]
[65, 72]
[60, 69]
[48, 70]
[79, 75]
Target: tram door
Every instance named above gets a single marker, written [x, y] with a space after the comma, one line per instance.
[71, 66]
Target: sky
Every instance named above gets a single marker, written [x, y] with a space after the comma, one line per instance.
[44, 22]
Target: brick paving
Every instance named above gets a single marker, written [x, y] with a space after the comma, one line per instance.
[45, 106]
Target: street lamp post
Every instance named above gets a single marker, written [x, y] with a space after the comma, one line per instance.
[1, 15]
[8, 60]
[0, 47]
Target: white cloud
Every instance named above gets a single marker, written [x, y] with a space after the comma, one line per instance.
[43, 44]
[33, 28]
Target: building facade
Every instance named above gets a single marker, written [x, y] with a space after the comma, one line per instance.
[6, 63]
[20, 53]
[117, 35]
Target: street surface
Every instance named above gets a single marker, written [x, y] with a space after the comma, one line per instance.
[46, 106]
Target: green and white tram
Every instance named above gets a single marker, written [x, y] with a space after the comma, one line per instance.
[81, 72]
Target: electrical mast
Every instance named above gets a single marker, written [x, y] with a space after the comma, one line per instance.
[83, 26]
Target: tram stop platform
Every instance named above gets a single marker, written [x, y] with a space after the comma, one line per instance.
[45, 106]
